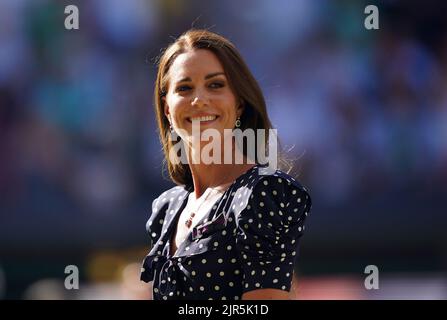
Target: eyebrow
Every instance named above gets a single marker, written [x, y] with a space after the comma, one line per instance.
[208, 76]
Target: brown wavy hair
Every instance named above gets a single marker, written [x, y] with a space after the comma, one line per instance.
[241, 81]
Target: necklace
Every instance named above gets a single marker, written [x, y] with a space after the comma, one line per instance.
[188, 221]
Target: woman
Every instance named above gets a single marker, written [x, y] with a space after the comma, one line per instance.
[228, 230]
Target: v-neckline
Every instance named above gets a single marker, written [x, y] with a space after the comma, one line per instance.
[174, 222]
[173, 227]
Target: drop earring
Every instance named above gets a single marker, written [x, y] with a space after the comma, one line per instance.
[237, 122]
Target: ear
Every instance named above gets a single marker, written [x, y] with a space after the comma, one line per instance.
[165, 107]
[240, 109]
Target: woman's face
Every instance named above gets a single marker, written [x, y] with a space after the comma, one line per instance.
[199, 92]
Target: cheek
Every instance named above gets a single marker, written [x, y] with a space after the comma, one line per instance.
[228, 105]
[176, 107]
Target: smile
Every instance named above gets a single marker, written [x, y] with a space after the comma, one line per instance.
[203, 119]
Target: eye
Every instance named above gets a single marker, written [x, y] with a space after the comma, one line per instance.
[216, 85]
[183, 88]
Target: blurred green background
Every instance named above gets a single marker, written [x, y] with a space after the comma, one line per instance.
[363, 112]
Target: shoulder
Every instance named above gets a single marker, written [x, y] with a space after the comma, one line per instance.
[275, 198]
[161, 205]
[264, 183]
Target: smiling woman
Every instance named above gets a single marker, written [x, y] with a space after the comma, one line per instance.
[227, 230]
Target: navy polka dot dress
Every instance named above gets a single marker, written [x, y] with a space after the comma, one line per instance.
[247, 241]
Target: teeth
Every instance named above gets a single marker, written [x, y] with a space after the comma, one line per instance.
[205, 118]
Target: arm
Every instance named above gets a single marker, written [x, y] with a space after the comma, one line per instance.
[266, 294]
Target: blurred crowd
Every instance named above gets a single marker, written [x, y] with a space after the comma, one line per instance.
[362, 112]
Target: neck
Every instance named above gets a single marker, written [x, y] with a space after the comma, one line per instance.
[214, 175]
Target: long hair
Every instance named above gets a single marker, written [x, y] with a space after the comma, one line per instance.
[245, 88]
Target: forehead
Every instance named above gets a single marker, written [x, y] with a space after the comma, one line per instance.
[195, 63]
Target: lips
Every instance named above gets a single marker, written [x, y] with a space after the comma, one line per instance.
[203, 119]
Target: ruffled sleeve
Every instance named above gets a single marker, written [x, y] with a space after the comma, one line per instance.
[268, 232]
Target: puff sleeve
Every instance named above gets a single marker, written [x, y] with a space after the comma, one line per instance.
[268, 230]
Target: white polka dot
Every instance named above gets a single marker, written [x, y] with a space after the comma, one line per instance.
[298, 200]
[283, 287]
[220, 260]
[233, 260]
[224, 232]
[203, 261]
[253, 272]
[250, 220]
[257, 284]
[287, 274]
[265, 182]
[236, 271]
[156, 290]
[221, 273]
[272, 213]
[165, 298]
[208, 275]
[216, 243]
[231, 284]
[263, 272]
[263, 193]
[299, 229]
[274, 192]
[191, 289]
[202, 288]
[154, 234]
[275, 280]
[161, 221]
[279, 180]
[216, 288]
[261, 204]
[277, 268]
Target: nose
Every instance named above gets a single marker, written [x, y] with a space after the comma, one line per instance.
[199, 100]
